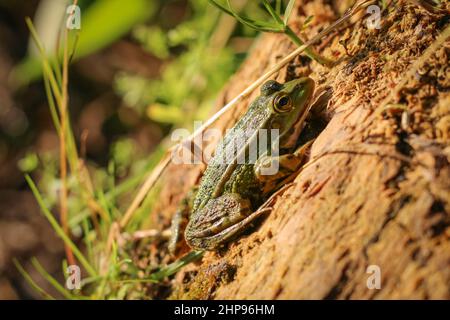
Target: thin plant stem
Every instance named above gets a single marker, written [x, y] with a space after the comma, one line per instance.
[310, 51]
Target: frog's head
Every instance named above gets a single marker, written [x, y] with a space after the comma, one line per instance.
[289, 104]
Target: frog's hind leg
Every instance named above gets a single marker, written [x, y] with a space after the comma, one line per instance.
[219, 221]
[217, 240]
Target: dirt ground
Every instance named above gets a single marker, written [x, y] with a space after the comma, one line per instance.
[375, 194]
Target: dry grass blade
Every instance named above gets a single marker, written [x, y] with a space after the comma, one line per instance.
[148, 184]
[62, 148]
[288, 11]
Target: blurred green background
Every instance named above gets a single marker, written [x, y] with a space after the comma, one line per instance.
[140, 68]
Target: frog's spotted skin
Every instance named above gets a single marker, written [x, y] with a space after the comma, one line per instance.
[229, 192]
[257, 114]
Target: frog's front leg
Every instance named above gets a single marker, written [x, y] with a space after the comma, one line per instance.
[285, 165]
[179, 220]
[218, 221]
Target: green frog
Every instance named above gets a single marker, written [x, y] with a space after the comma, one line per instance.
[230, 192]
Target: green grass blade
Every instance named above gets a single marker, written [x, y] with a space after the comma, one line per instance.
[89, 280]
[176, 266]
[66, 294]
[59, 231]
[53, 92]
[106, 206]
[278, 6]
[47, 69]
[31, 282]
[86, 239]
[136, 281]
[57, 70]
[51, 104]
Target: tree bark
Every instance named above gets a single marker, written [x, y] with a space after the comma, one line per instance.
[375, 194]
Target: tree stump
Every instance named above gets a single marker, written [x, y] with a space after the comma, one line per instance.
[374, 198]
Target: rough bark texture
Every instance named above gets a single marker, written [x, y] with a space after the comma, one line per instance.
[377, 188]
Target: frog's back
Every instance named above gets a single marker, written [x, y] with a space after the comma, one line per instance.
[256, 115]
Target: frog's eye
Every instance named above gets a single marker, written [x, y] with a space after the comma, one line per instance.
[282, 103]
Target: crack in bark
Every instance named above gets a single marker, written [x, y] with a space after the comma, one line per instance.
[393, 212]
[339, 285]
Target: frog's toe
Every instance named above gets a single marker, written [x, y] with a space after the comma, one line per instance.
[215, 241]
